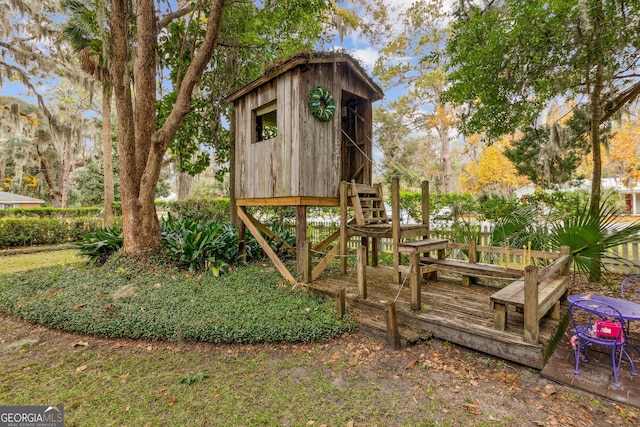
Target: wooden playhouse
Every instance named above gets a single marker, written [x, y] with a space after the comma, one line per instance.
[300, 129]
[303, 137]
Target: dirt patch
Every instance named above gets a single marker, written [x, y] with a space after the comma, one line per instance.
[458, 384]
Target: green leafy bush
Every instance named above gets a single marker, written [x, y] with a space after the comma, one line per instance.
[16, 232]
[101, 244]
[49, 212]
[142, 298]
[200, 210]
[198, 245]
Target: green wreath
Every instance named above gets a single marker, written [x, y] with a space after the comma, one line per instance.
[321, 103]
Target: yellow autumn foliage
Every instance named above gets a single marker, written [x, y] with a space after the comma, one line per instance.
[492, 171]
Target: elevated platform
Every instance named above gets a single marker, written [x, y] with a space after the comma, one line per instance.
[449, 311]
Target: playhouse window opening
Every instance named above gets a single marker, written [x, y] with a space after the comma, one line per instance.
[266, 122]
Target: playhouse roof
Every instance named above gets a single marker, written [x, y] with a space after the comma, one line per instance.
[307, 58]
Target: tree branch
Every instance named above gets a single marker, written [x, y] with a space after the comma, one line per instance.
[613, 106]
[166, 19]
[197, 66]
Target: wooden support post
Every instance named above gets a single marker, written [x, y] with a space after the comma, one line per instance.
[395, 227]
[473, 259]
[393, 335]
[362, 272]
[340, 303]
[500, 316]
[565, 271]
[473, 253]
[364, 241]
[305, 263]
[554, 314]
[426, 207]
[301, 237]
[344, 238]
[531, 325]
[242, 238]
[374, 251]
[414, 281]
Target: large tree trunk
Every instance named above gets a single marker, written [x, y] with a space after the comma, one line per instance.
[596, 113]
[66, 162]
[185, 184]
[233, 214]
[107, 156]
[55, 194]
[443, 134]
[141, 147]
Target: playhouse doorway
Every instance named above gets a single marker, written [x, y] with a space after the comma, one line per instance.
[356, 144]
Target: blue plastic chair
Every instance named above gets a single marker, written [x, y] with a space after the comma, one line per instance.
[630, 288]
[586, 314]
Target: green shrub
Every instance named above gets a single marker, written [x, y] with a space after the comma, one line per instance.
[200, 210]
[45, 231]
[50, 212]
[101, 244]
[196, 245]
[144, 299]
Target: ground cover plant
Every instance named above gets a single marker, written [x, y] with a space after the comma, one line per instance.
[136, 298]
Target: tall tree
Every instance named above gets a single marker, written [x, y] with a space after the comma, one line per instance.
[413, 57]
[492, 173]
[86, 30]
[252, 36]
[135, 27]
[509, 58]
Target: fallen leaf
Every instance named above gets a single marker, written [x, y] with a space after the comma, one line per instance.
[81, 368]
[218, 394]
[78, 306]
[335, 356]
[80, 344]
[117, 345]
[310, 422]
[161, 390]
[473, 383]
[550, 389]
[354, 360]
[350, 423]
[170, 401]
[472, 409]
[411, 364]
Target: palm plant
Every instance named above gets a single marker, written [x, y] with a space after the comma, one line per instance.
[590, 237]
[84, 32]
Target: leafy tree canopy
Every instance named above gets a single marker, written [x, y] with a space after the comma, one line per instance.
[510, 59]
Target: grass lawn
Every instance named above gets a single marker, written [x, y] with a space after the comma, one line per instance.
[335, 378]
[24, 262]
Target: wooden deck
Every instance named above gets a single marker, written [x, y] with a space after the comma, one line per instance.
[450, 311]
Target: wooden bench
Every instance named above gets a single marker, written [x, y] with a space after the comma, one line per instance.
[415, 270]
[535, 298]
[470, 270]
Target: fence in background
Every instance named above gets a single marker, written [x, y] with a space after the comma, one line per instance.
[630, 252]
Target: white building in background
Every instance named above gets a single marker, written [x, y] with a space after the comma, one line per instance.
[631, 194]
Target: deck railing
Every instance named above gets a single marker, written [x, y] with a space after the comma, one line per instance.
[628, 251]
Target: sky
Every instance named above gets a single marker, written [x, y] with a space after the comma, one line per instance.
[355, 44]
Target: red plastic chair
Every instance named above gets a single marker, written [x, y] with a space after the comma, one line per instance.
[597, 323]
